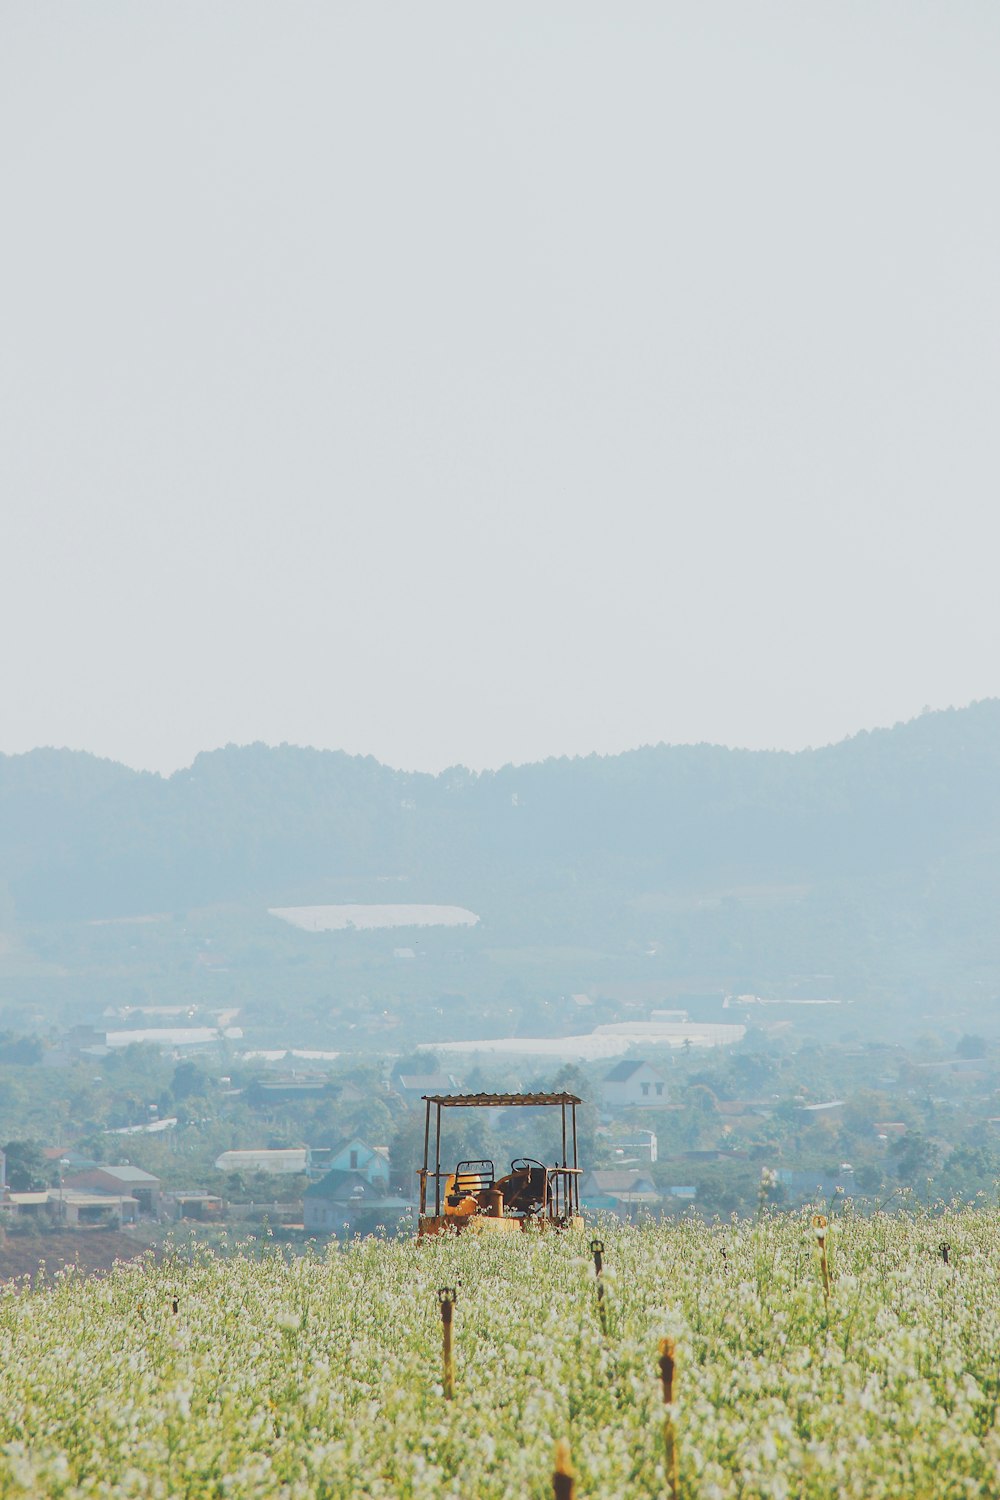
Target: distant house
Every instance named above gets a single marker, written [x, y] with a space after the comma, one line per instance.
[413, 1086]
[372, 1162]
[621, 1190]
[80, 1209]
[197, 1204]
[974, 1067]
[68, 1159]
[350, 1093]
[745, 1109]
[634, 1085]
[806, 1186]
[24, 1205]
[265, 1091]
[74, 1208]
[339, 1199]
[886, 1130]
[708, 1154]
[603, 1180]
[284, 1159]
[124, 1181]
[87, 1039]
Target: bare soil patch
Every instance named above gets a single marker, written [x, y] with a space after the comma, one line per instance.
[92, 1250]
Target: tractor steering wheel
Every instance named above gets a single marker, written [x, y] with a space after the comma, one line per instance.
[525, 1164]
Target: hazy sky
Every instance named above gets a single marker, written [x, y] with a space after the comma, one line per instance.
[475, 383]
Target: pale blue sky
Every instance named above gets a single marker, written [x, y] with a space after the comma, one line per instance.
[477, 383]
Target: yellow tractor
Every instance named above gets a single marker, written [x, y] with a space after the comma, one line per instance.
[473, 1198]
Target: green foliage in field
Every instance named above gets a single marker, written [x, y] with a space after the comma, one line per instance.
[322, 1377]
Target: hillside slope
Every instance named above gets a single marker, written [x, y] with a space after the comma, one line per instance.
[82, 836]
[881, 851]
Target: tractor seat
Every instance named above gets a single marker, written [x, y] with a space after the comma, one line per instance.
[473, 1178]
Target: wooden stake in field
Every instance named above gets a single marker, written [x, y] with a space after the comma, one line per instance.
[446, 1298]
[820, 1225]
[668, 1369]
[597, 1251]
[563, 1478]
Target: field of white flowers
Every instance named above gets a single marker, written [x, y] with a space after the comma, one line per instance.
[323, 1376]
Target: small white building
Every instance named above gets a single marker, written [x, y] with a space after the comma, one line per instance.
[641, 1146]
[821, 1111]
[23, 1205]
[634, 1085]
[78, 1208]
[288, 1159]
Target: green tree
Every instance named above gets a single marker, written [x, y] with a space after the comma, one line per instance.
[869, 1177]
[967, 1171]
[571, 1080]
[26, 1166]
[914, 1157]
[406, 1151]
[189, 1079]
[862, 1108]
[371, 1120]
[22, 1051]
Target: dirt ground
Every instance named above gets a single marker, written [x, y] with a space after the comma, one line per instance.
[91, 1249]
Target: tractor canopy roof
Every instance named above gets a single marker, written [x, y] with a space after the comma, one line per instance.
[495, 1101]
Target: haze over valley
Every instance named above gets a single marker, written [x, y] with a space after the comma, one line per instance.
[329, 897]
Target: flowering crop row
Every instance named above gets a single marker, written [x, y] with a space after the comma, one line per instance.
[323, 1376]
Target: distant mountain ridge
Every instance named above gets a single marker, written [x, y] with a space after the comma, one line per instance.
[82, 837]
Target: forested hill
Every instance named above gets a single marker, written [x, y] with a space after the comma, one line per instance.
[83, 837]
